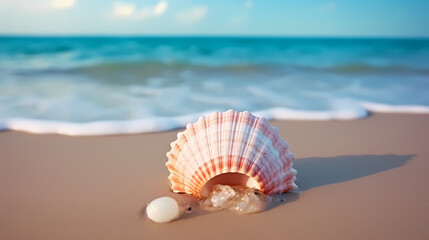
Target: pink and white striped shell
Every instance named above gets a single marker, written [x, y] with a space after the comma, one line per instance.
[230, 142]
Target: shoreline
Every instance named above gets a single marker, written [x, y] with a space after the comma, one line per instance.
[358, 179]
[172, 123]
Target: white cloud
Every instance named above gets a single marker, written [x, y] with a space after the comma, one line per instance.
[248, 4]
[192, 15]
[62, 4]
[124, 9]
[36, 5]
[160, 8]
[130, 11]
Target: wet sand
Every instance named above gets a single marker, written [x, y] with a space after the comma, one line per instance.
[358, 179]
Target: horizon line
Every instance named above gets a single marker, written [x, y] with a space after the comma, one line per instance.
[113, 35]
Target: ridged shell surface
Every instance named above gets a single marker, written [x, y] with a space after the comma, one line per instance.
[230, 142]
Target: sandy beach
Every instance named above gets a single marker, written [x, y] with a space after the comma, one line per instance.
[358, 179]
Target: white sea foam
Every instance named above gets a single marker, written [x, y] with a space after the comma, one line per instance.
[385, 108]
[155, 124]
[158, 124]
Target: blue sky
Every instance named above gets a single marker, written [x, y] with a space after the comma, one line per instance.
[380, 18]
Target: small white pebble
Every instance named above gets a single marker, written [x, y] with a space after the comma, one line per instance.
[163, 209]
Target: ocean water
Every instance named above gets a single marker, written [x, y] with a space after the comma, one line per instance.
[120, 85]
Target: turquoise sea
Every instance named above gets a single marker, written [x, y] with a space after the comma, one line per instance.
[117, 85]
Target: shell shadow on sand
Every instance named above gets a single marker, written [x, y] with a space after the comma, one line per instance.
[336, 170]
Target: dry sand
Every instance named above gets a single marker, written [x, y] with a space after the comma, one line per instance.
[359, 179]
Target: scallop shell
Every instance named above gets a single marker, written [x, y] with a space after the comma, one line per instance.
[230, 142]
